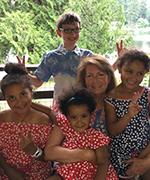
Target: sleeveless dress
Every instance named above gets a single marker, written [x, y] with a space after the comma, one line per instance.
[16, 157]
[98, 121]
[90, 138]
[134, 137]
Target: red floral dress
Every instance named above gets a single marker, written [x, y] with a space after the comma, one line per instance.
[16, 157]
[90, 138]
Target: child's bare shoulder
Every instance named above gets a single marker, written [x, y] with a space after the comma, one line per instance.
[5, 115]
[40, 117]
[112, 93]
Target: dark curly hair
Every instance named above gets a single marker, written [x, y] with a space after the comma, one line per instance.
[79, 95]
[16, 74]
[134, 54]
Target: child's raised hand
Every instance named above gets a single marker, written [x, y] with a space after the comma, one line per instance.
[27, 144]
[119, 47]
[134, 108]
[19, 60]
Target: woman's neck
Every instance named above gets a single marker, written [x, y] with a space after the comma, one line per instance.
[100, 101]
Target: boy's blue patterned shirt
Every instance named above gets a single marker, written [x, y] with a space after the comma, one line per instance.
[62, 64]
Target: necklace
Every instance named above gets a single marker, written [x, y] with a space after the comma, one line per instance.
[23, 118]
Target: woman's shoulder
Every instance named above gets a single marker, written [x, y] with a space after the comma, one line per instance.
[39, 117]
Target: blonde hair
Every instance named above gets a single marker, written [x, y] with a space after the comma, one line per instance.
[102, 64]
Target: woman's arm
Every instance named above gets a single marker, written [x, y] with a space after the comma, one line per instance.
[55, 152]
[140, 164]
[45, 109]
[145, 151]
[114, 126]
[102, 162]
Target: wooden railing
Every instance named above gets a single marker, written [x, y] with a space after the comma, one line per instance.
[37, 94]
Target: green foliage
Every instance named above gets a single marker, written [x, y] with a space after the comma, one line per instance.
[28, 27]
[98, 33]
[148, 15]
[142, 9]
[132, 11]
[142, 22]
[145, 81]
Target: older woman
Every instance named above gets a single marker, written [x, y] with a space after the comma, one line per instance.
[96, 73]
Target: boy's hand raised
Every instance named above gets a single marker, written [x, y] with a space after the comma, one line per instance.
[19, 60]
[22, 62]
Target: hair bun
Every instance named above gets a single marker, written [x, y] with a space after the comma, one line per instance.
[15, 68]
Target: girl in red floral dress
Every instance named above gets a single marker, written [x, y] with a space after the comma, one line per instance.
[23, 130]
[77, 105]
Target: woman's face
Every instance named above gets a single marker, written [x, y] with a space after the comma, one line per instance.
[96, 80]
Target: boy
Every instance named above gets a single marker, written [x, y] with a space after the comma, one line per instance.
[62, 63]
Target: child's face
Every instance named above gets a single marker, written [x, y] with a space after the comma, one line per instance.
[18, 98]
[96, 80]
[79, 117]
[132, 74]
[69, 40]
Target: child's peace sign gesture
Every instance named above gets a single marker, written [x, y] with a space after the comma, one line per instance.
[19, 60]
[27, 144]
[134, 108]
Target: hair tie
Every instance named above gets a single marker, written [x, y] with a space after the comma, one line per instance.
[77, 97]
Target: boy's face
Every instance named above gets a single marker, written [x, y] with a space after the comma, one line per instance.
[69, 40]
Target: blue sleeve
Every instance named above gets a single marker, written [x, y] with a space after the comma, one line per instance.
[43, 71]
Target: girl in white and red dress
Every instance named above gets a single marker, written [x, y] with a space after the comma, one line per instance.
[23, 130]
[76, 105]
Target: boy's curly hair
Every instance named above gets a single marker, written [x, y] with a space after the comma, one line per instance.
[134, 54]
[64, 100]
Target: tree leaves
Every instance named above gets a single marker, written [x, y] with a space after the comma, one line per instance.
[29, 27]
